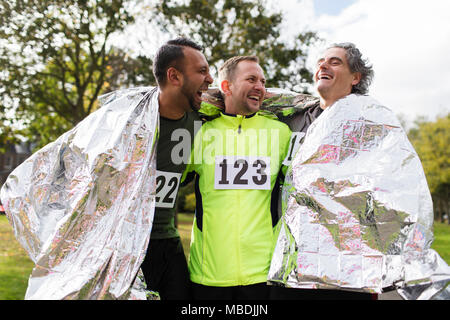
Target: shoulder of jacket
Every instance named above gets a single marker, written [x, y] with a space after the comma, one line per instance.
[271, 122]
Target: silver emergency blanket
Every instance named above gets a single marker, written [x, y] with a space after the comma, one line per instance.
[82, 206]
[278, 103]
[357, 213]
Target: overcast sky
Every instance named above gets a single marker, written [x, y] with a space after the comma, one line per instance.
[407, 41]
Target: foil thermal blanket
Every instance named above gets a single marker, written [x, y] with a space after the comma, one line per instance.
[356, 209]
[83, 206]
[357, 213]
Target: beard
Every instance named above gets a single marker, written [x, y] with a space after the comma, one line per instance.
[190, 95]
[243, 107]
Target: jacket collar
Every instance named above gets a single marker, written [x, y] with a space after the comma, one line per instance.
[235, 115]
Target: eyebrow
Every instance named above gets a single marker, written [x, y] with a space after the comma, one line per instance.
[336, 58]
[332, 58]
[256, 77]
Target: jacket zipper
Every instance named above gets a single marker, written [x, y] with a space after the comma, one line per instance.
[241, 118]
[238, 224]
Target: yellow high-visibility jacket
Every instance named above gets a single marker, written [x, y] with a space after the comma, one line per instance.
[238, 160]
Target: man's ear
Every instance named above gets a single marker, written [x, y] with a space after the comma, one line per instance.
[174, 77]
[225, 87]
[356, 78]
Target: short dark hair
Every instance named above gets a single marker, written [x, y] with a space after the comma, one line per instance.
[357, 64]
[227, 70]
[170, 55]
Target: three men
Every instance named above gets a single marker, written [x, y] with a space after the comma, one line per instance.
[182, 73]
[237, 159]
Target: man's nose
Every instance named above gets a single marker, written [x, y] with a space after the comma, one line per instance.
[209, 79]
[259, 85]
[323, 65]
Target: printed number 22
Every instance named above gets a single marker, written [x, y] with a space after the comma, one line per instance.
[166, 189]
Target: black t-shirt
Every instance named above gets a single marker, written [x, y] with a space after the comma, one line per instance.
[173, 150]
[301, 122]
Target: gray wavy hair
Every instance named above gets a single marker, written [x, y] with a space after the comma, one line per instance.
[357, 64]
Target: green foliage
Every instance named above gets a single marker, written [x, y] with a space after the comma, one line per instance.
[55, 61]
[227, 28]
[185, 194]
[57, 57]
[430, 139]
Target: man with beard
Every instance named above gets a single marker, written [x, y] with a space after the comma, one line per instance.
[237, 159]
[182, 74]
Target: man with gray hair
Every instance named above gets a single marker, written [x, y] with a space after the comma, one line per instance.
[340, 71]
[357, 213]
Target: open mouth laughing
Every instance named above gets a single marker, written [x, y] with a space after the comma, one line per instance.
[200, 92]
[254, 98]
[324, 76]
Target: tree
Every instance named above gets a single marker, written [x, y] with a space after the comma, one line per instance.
[430, 139]
[240, 27]
[56, 57]
[55, 61]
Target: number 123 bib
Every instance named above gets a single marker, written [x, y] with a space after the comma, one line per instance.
[242, 172]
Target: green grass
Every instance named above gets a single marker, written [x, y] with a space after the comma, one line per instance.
[16, 266]
[441, 241]
[184, 228]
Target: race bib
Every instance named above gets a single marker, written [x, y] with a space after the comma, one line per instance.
[167, 184]
[294, 144]
[242, 172]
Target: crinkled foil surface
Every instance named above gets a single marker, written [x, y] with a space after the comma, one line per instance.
[83, 206]
[357, 213]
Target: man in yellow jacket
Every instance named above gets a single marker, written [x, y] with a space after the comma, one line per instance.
[237, 159]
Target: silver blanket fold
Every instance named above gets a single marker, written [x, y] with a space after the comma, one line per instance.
[83, 206]
[357, 213]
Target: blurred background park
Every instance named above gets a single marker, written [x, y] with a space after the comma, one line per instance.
[58, 57]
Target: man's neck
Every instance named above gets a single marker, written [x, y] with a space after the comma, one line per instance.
[326, 103]
[170, 106]
[229, 109]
